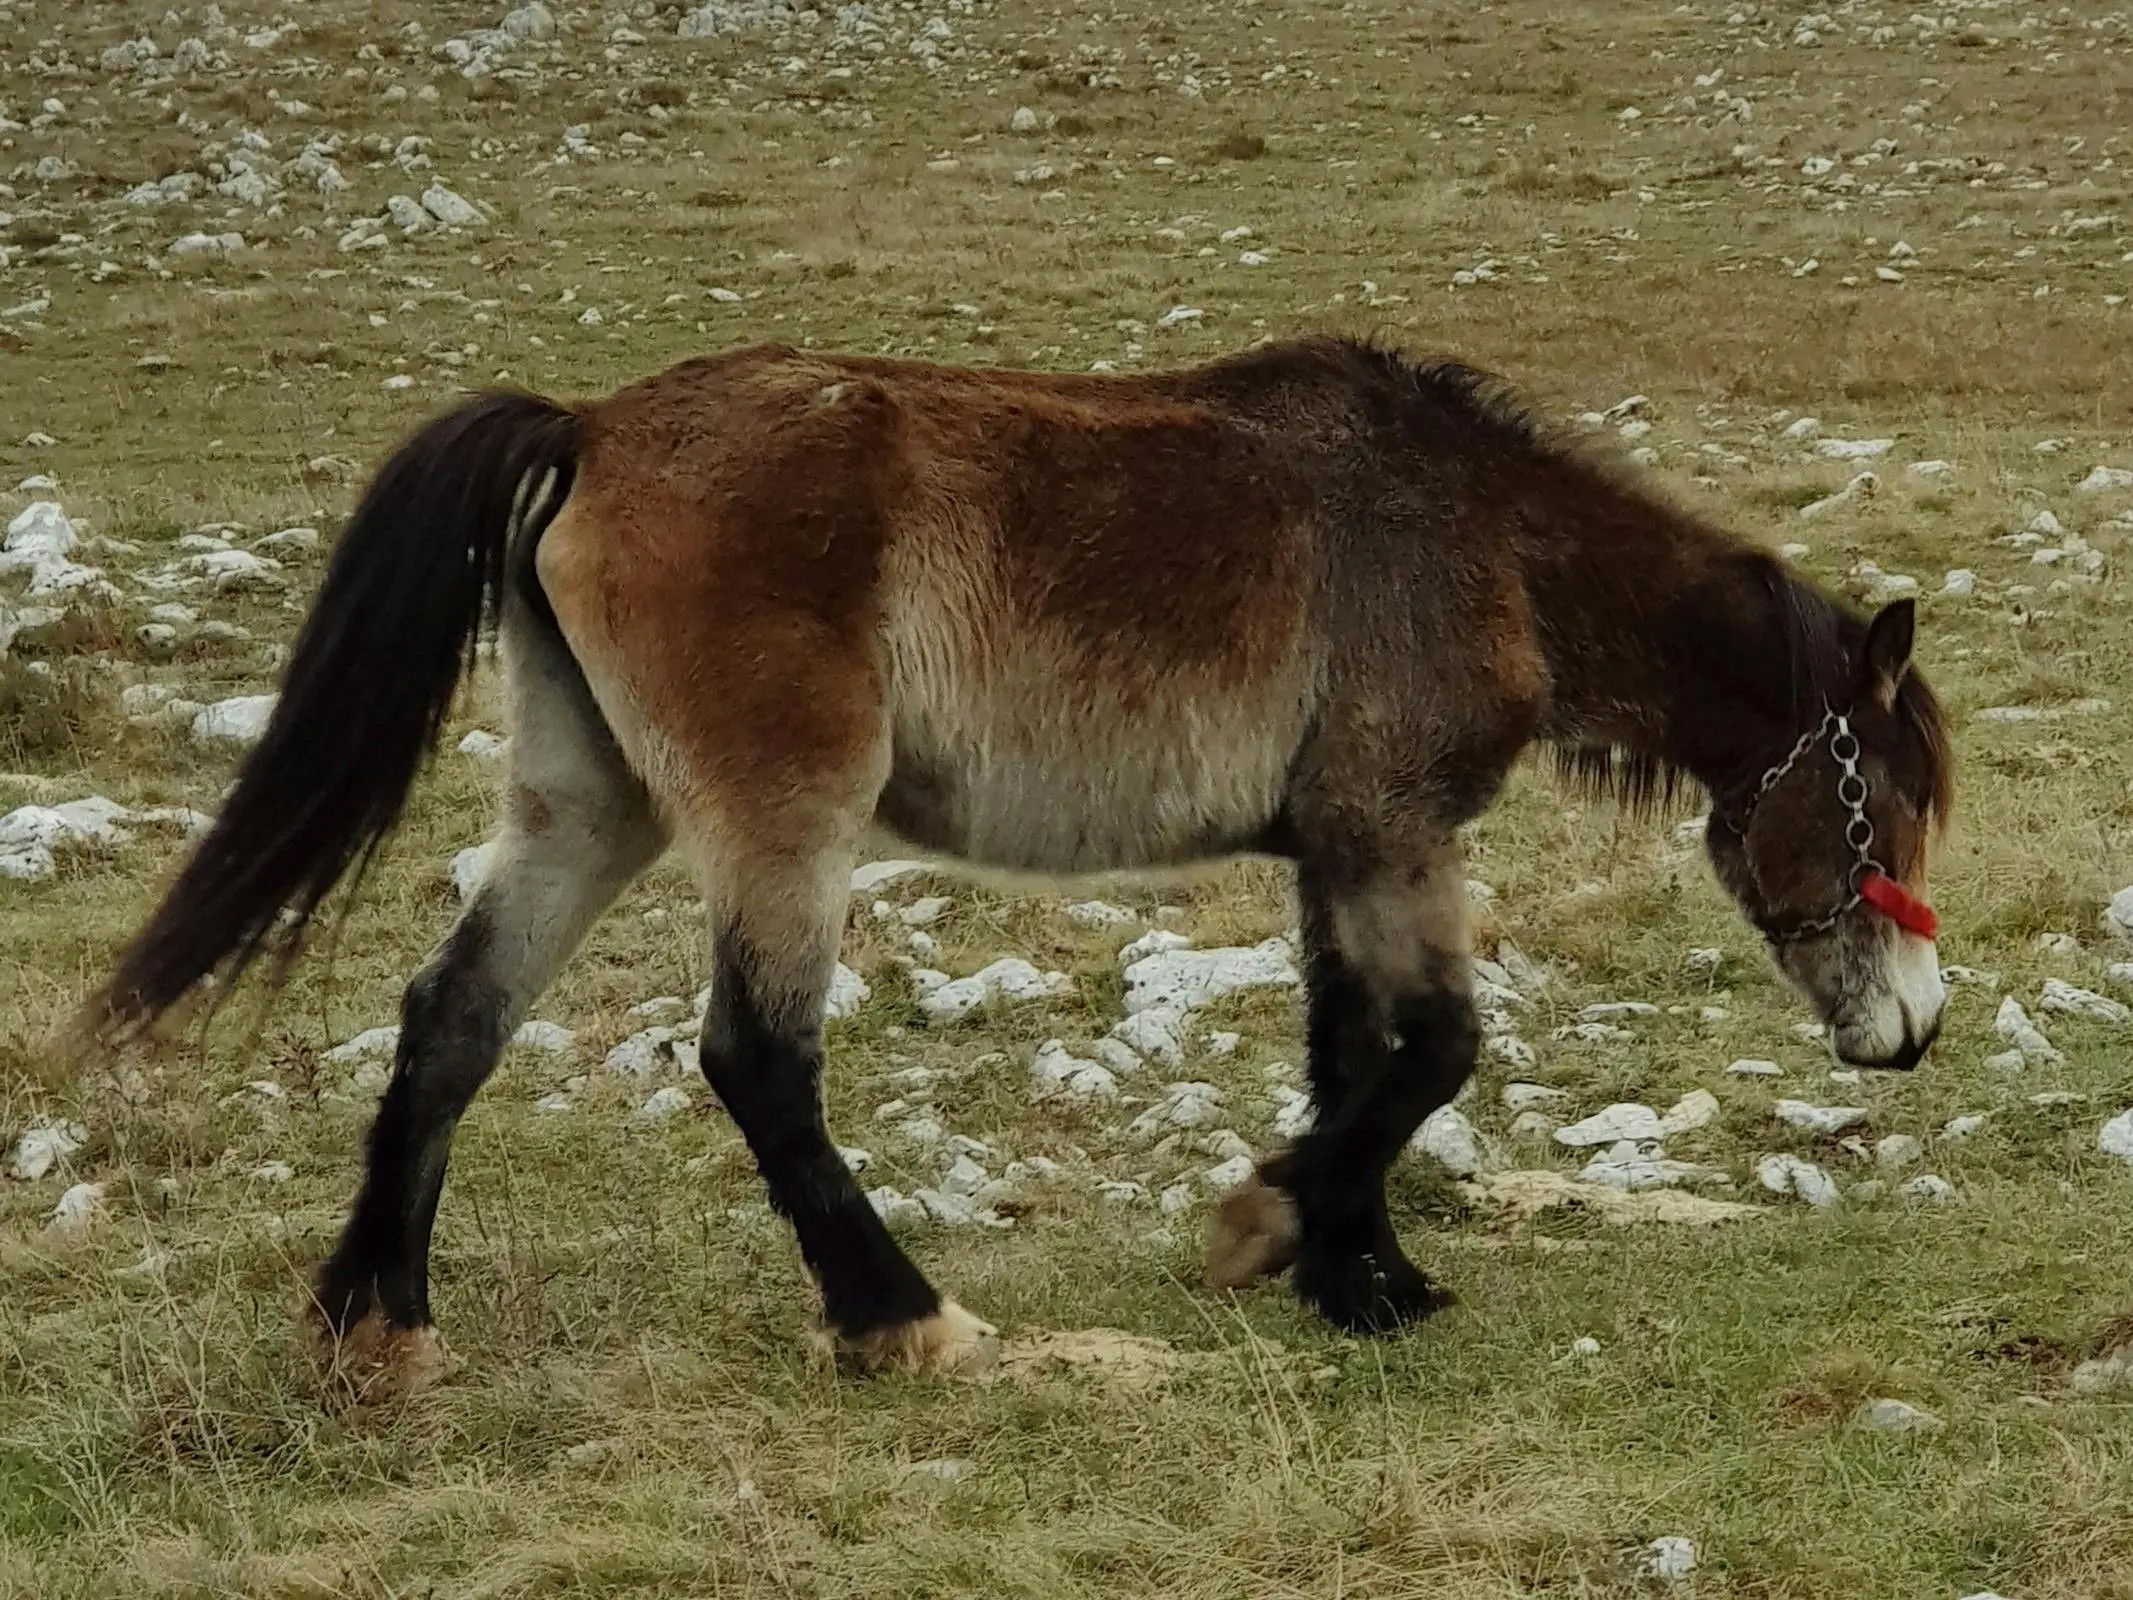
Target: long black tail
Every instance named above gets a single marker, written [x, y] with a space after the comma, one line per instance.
[418, 572]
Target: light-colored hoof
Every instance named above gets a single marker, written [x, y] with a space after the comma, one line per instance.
[951, 1343]
[375, 1364]
[1252, 1235]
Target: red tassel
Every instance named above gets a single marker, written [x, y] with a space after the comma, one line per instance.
[1899, 905]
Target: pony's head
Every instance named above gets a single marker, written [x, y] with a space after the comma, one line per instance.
[1826, 852]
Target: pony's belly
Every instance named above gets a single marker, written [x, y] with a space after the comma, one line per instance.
[1082, 805]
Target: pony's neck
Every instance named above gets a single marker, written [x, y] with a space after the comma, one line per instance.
[1675, 646]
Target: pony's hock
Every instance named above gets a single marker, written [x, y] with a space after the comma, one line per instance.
[1310, 601]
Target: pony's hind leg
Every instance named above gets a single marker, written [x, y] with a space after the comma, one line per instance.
[1391, 1036]
[774, 925]
[578, 828]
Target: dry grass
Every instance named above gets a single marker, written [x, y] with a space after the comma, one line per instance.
[634, 1411]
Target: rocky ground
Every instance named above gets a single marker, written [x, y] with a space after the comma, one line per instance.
[1733, 1322]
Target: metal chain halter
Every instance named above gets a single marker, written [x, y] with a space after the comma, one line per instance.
[1867, 882]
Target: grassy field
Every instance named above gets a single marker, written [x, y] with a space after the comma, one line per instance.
[1600, 202]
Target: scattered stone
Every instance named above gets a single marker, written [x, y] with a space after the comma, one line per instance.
[1625, 1120]
[1928, 1186]
[2103, 1373]
[482, 746]
[2104, 480]
[648, 1053]
[1229, 1174]
[471, 866]
[1183, 1105]
[1154, 942]
[1447, 1137]
[273, 1172]
[1853, 449]
[1861, 487]
[372, 1044]
[1898, 1150]
[1185, 980]
[1756, 1069]
[896, 1208]
[1528, 1192]
[1055, 1070]
[847, 993]
[1958, 1128]
[1895, 1416]
[663, 1103]
[241, 720]
[78, 1208]
[1959, 583]
[450, 209]
[43, 1145]
[880, 874]
[1786, 1174]
[1097, 914]
[1585, 1348]
[1010, 978]
[1824, 1120]
[2068, 1000]
[2116, 1137]
[552, 1038]
[1632, 1167]
[1525, 1096]
[1696, 1109]
[1669, 1559]
[2013, 1024]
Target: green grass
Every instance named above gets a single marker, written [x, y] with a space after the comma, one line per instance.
[634, 1410]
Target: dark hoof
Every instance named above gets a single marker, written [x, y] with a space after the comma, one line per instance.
[1369, 1293]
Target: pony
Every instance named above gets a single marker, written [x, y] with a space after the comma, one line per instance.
[1310, 601]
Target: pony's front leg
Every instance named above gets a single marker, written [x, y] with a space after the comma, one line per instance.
[1391, 1035]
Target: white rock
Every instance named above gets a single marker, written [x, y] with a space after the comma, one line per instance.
[471, 868]
[1959, 582]
[78, 1207]
[663, 1103]
[1157, 1032]
[1755, 1069]
[2103, 1373]
[648, 1053]
[1447, 1136]
[957, 1211]
[1585, 1348]
[1526, 1096]
[1177, 316]
[482, 745]
[1898, 1150]
[1931, 469]
[1183, 1105]
[964, 1177]
[847, 993]
[923, 913]
[1802, 428]
[1616, 1010]
[1223, 1044]
[2058, 944]
[1121, 1191]
[532, 21]
[207, 244]
[1185, 980]
[1229, 1174]
[1118, 1056]
[1152, 943]
[273, 1172]
[43, 1145]
[1854, 449]
[1010, 978]
[1293, 1114]
[1175, 1199]
[1024, 120]
[2118, 917]
[1895, 1416]
[2012, 1024]
[450, 209]
[1633, 1167]
[1928, 1186]
[880, 874]
[1786, 1174]
[557, 1101]
[2102, 480]
[372, 1044]
[1096, 914]
[1696, 1109]
[2071, 1001]
[895, 1208]
[1862, 486]
[240, 720]
[1624, 1120]
[1956, 1128]
[1818, 1119]
[552, 1038]
[1055, 1069]
[2116, 1137]
[1669, 1559]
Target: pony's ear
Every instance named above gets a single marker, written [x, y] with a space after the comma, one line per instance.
[1889, 638]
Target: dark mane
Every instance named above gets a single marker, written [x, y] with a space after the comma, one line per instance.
[1819, 636]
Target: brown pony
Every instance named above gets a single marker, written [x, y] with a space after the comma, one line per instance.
[1311, 601]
